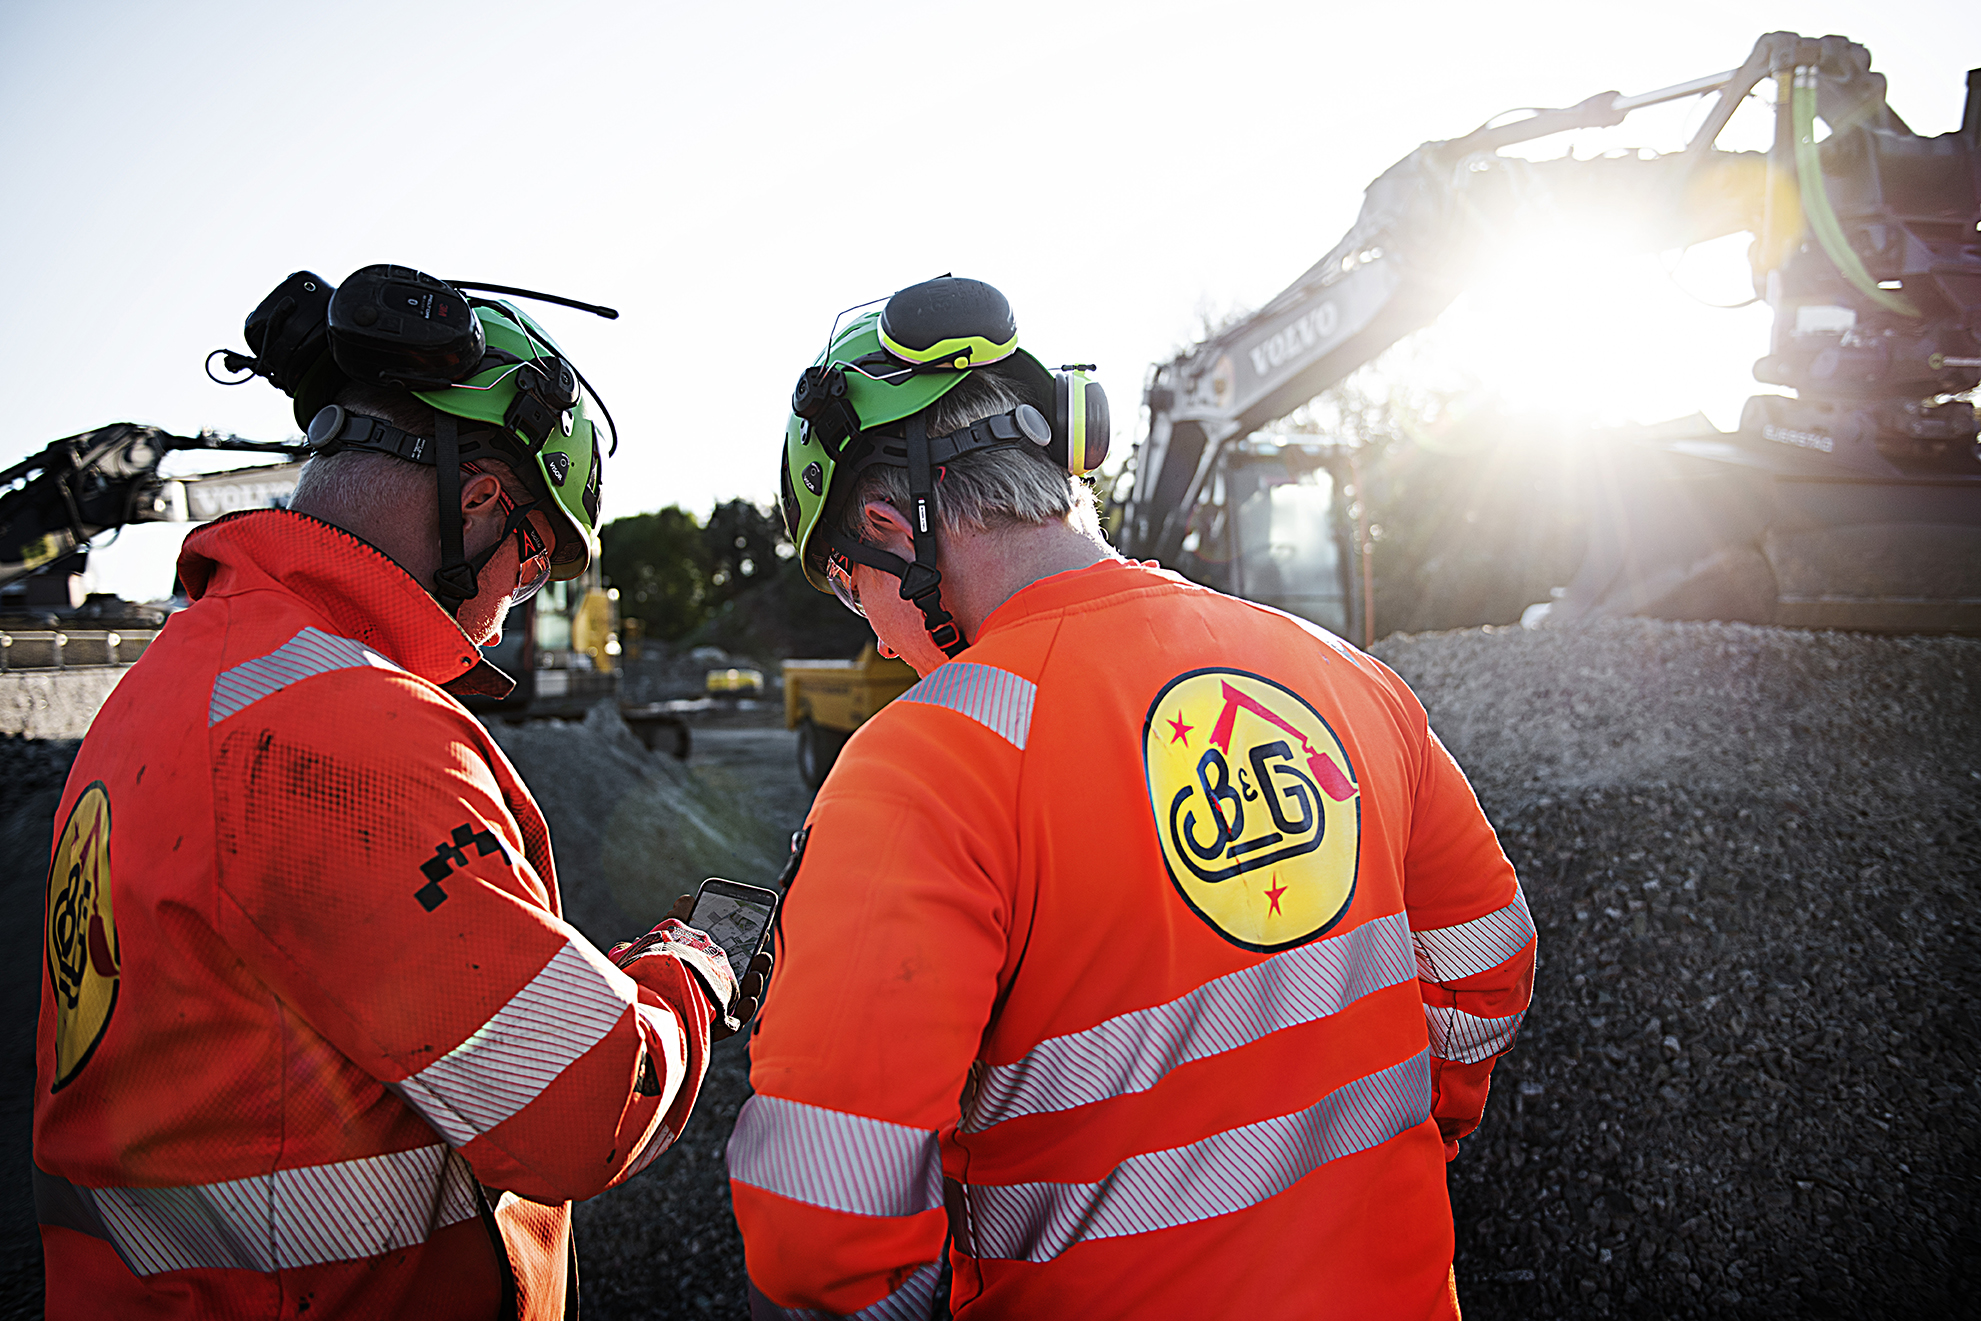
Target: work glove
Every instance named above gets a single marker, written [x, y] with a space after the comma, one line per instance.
[734, 1004]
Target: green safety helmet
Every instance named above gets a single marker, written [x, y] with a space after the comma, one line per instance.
[565, 470]
[476, 361]
[889, 365]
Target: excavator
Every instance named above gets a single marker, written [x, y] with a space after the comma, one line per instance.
[1852, 501]
[560, 647]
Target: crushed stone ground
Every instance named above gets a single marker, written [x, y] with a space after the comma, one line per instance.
[1749, 1082]
[631, 829]
[1748, 1085]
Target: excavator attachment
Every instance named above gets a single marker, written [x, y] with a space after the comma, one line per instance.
[53, 502]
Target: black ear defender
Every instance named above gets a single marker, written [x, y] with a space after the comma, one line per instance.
[1080, 420]
[288, 332]
[395, 326]
[288, 337]
[950, 323]
[392, 325]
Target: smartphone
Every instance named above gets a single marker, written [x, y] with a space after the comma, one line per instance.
[736, 917]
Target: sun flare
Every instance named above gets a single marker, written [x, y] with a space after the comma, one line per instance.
[1567, 326]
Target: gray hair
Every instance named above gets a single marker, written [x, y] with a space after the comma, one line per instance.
[989, 489]
[364, 488]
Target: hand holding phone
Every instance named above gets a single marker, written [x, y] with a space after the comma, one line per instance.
[738, 919]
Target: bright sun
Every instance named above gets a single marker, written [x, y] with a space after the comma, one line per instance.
[1569, 327]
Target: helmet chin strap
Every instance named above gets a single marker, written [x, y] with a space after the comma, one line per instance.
[455, 581]
[921, 582]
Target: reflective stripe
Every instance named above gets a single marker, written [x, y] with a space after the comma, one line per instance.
[299, 1217]
[1133, 1052]
[663, 1138]
[310, 652]
[832, 1159]
[1227, 1172]
[997, 699]
[1445, 954]
[566, 1009]
[1465, 1039]
[913, 1301]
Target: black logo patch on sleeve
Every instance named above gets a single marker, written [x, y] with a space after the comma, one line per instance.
[452, 853]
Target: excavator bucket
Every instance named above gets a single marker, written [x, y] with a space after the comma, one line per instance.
[1715, 525]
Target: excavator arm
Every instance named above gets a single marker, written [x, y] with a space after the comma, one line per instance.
[55, 501]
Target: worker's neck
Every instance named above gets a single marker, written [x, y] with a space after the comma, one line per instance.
[407, 540]
[982, 569]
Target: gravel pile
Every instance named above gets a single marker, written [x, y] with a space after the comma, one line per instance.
[665, 1244]
[632, 829]
[1748, 1085]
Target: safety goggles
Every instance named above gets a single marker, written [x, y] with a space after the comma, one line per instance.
[839, 576]
[532, 556]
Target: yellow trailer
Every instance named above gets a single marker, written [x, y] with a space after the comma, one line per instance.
[826, 700]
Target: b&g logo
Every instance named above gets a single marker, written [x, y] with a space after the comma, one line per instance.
[1256, 807]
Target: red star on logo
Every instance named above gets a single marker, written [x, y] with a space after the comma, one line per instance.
[1274, 894]
[1182, 731]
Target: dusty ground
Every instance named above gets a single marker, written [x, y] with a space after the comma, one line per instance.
[1749, 1082]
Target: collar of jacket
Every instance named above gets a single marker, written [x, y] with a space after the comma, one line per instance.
[357, 587]
[1078, 587]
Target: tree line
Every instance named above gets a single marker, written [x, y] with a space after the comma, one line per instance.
[730, 580]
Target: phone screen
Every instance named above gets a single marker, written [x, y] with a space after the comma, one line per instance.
[733, 922]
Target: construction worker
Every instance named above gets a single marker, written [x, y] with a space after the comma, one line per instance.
[314, 1037]
[1193, 947]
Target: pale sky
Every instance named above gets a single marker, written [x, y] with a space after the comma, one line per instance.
[730, 176]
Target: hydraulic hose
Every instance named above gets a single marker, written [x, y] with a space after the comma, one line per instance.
[1816, 202]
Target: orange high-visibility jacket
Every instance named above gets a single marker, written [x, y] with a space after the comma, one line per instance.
[1154, 951]
[306, 983]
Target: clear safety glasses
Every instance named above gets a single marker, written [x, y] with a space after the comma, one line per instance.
[839, 575]
[532, 556]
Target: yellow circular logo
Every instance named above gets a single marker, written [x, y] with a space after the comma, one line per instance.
[1256, 805]
[81, 936]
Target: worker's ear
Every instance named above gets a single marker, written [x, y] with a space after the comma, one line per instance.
[888, 529]
[478, 495]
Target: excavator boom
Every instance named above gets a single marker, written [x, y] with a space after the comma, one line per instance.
[55, 501]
